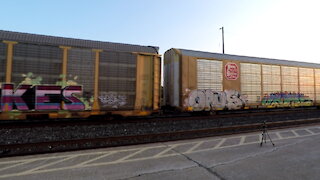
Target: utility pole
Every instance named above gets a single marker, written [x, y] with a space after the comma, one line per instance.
[222, 39]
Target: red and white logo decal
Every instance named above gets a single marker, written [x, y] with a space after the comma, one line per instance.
[231, 71]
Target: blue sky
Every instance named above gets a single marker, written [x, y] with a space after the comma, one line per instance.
[283, 29]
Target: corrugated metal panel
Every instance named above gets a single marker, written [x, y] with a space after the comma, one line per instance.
[201, 54]
[80, 68]
[317, 76]
[317, 83]
[251, 81]
[306, 80]
[289, 79]
[2, 61]
[271, 79]
[43, 61]
[57, 41]
[209, 74]
[117, 81]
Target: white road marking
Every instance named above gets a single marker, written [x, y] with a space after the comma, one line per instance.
[260, 138]
[94, 159]
[279, 135]
[49, 164]
[80, 154]
[243, 138]
[15, 165]
[220, 143]
[133, 154]
[310, 131]
[165, 151]
[194, 147]
[295, 133]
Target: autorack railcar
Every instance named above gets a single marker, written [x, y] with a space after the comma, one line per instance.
[55, 77]
[52, 77]
[203, 81]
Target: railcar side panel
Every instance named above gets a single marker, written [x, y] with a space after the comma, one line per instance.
[117, 80]
[247, 82]
[54, 77]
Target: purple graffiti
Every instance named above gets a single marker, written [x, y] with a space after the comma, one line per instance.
[40, 97]
[9, 98]
[44, 97]
[74, 103]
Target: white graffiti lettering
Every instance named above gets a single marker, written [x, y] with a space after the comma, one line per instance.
[207, 100]
[112, 99]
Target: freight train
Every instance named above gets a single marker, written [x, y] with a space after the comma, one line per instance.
[55, 77]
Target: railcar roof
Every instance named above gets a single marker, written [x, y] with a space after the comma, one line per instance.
[62, 41]
[202, 54]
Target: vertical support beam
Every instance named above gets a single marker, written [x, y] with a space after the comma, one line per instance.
[261, 83]
[64, 65]
[314, 86]
[95, 106]
[298, 80]
[156, 82]
[281, 88]
[9, 59]
[139, 102]
[64, 62]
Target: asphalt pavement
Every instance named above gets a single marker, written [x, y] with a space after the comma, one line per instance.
[295, 155]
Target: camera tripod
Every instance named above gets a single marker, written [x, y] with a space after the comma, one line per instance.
[265, 134]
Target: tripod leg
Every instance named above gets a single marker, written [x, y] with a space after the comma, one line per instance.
[269, 138]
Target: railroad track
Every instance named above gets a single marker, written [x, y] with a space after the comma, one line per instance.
[55, 137]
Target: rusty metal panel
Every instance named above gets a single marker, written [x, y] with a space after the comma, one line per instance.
[117, 80]
[251, 81]
[156, 82]
[209, 74]
[289, 79]
[188, 77]
[43, 61]
[3, 55]
[144, 83]
[192, 69]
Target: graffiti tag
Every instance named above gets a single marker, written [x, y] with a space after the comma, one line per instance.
[112, 99]
[286, 99]
[207, 100]
[40, 97]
